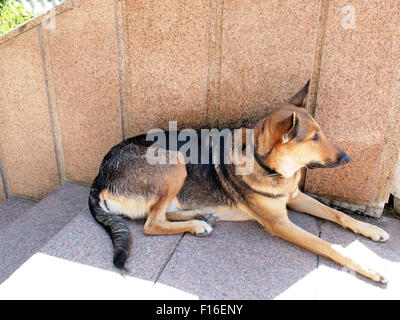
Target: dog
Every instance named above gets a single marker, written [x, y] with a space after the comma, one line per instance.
[285, 141]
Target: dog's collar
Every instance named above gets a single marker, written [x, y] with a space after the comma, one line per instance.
[261, 163]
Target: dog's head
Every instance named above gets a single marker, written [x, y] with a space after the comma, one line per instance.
[289, 139]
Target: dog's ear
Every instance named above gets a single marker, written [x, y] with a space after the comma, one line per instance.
[300, 98]
[288, 128]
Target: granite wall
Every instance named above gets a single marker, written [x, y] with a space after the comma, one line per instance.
[84, 77]
[358, 101]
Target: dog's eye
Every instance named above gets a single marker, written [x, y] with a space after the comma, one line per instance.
[316, 137]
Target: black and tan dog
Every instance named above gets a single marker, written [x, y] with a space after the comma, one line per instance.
[285, 141]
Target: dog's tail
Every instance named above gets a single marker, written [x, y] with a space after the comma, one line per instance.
[113, 224]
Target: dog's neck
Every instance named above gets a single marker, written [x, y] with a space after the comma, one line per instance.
[262, 147]
[270, 172]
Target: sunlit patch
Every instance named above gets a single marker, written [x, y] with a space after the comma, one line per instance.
[342, 283]
[47, 277]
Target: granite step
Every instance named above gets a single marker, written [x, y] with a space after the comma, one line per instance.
[84, 241]
[68, 255]
[28, 232]
[12, 208]
[78, 263]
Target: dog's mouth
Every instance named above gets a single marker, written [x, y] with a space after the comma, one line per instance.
[315, 165]
[343, 159]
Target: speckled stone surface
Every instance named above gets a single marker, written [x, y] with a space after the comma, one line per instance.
[12, 208]
[167, 52]
[353, 286]
[358, 100]
[388, 250]
[239, 261]
[84, 241]
[26, 145]
[84, 64]
[268, 52]
[27, 234]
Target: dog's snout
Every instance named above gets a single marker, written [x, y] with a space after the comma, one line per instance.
[343, 158]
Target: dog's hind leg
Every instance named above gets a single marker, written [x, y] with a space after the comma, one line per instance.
[186, 215]
[304, 203]
[157, 222]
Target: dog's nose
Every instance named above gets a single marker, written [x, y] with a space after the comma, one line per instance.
[344, 158]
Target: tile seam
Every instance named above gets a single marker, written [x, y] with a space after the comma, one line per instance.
[319, 223]
[316, 69]
[210, 65]
[319, 48]
[208, 59]
[3, 180]
[219, 58]
[214, 61]
[118, 13]
[52, 108]
[124, 68]
[168, 259]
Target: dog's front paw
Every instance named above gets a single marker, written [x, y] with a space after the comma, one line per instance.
[373, 273]
[379, 234]
[373, 232]
[208, 217]
[368, 266]
[202, 229]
